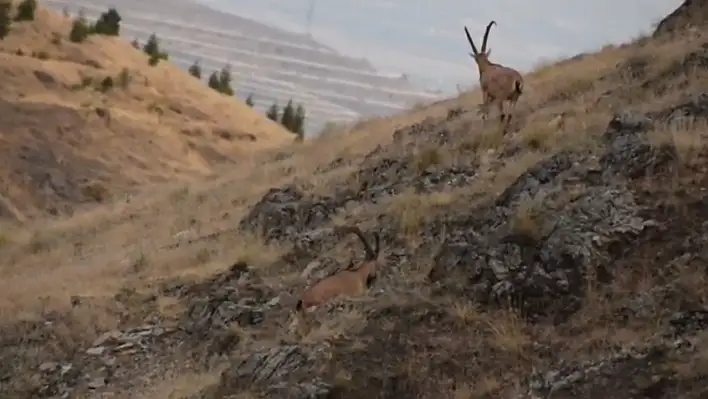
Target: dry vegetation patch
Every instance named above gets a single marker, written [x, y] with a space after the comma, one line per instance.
[104, 120]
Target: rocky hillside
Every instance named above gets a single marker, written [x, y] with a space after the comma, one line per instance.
[82, 122]
[565, 259]
[690, 14]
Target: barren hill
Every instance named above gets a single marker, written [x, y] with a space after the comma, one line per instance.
[566, 259]
[66, 140]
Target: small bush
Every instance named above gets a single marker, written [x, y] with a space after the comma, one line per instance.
[213, 81]
[152, 49]
[80, 29]
[155, 58]
[152, 46]
[42, 55]
[124, 78]
[56, 38]
[225, 81]
[273, 112]
[95, 191]
[26, 10]
[108, 23]
[106, 84]
[5, 20]
[195, 70]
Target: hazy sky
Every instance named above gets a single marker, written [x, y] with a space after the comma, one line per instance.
[425, 38]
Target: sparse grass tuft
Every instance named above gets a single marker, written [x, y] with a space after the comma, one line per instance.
[428, 157]
[528, 220]
[411, 210]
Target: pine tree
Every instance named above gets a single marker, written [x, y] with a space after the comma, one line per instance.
[152, 49]
[249, 101]
[152, 46]
[273, 112]
[288, 116]
[25, 10]
[108, 23]
[80, 29]
[299, 122]
[5, 20]
[195, 70]
[213, 81]
[225, 81]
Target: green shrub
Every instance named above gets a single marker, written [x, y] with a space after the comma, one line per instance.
[26, 10]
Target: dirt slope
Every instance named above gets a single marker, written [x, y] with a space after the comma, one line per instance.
[566, 259]
[60, 134]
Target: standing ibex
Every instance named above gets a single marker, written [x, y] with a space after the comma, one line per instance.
[499, 83]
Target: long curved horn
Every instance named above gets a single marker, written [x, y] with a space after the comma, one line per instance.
[486, 36]
[469, 39]
[371, 254]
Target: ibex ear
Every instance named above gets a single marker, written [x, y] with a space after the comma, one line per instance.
[488, 52]
[471, 55]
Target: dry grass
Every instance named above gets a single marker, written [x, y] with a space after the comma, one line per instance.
[156, 124]
[98, 252]
[412, 210]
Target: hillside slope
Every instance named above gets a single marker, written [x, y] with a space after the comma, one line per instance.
[690, 14]
[61, 133]
[566, 259]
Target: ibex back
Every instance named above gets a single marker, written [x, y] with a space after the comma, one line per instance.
[346, 282]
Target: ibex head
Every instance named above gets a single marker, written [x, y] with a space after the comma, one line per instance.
[480, 57]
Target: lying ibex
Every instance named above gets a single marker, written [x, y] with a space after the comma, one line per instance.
[499, 84]
[346, 282]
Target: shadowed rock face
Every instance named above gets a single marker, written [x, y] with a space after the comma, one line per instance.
[692, 13]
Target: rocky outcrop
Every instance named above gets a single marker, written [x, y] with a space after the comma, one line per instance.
[691, 13]
[275, 371]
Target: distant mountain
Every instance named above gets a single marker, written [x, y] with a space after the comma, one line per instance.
[271, 64]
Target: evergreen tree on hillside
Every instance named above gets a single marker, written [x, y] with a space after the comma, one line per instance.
[225, 81]
[152, 49]
[108, 23]
[26, 10]
[288, 116]
[299, 122]
[249, 100]
[213, 81]
[5, 20]
[273, 112]
[80, 29]
[152, 46]
[195, 70]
